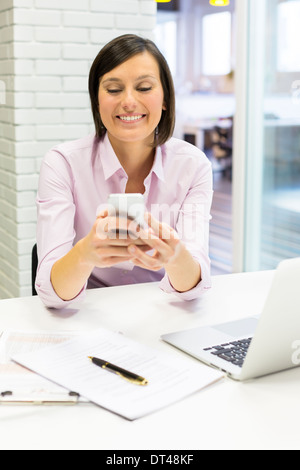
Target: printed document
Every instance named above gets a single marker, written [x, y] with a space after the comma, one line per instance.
[171, 377]
[20, 385]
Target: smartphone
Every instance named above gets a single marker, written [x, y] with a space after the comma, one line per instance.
[131, 206]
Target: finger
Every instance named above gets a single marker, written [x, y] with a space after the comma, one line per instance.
[154, 224]
[110, 252]
[152, 262]
[164, 250]
[112, 261]
[116, 228]
[119, 242]
[145, 261]
[161, 229]
[102, 214]
[138, 263]
[123, 227]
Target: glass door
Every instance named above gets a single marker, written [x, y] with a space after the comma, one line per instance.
[267, 156]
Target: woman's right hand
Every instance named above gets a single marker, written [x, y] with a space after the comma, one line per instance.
[107, 243]
[103, 247]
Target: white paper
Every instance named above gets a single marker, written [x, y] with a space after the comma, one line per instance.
[24, 384]
[171, 378]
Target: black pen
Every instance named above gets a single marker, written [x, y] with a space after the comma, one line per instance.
[125, 374]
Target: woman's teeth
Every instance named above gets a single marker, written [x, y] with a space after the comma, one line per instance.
[131, 118]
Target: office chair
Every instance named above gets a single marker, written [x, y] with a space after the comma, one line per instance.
[221, 139]
[34, 265]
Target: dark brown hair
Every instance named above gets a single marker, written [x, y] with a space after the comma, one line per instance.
[114, 54]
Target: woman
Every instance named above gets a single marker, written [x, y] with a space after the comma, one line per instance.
[133, 105]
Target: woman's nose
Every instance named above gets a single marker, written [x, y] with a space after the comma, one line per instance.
[129, 101]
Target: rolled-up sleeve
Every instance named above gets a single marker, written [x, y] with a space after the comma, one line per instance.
[193, 229]
[55, 225]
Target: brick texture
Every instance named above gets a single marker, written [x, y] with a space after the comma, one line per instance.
[46, 50]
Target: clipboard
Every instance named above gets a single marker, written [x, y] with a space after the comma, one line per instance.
[18, 385]
[10, 398]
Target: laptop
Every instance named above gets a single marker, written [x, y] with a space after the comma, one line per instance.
[256, 346]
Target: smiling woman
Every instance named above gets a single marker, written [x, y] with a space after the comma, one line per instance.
[115, 54]
[133, 105]
[131, 102]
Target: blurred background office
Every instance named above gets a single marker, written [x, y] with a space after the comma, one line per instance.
[236, 68]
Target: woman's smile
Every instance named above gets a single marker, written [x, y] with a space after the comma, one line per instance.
[131, 118]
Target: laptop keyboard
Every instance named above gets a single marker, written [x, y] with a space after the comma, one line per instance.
[234, 352]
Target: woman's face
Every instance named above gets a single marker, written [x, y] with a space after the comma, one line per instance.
[131, 99]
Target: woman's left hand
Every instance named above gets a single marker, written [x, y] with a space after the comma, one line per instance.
[161, 238]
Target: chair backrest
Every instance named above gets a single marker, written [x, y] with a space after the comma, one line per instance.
[34, 265]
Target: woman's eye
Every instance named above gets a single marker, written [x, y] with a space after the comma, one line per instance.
[114, 91]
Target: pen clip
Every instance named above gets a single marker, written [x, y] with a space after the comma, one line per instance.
[138, 381]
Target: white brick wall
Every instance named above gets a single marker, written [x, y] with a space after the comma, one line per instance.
[46, 49]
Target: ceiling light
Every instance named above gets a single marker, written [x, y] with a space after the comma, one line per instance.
[219, 3]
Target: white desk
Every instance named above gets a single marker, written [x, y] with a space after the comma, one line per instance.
[261, 414]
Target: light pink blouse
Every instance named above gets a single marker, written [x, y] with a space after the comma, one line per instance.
[77, 177]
